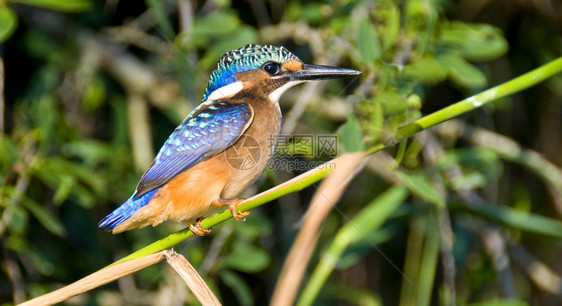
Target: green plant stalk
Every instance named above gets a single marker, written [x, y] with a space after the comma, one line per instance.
[428, 265]
[510, 87]
[367, 220]
[412, 262]
[296, 184]
[316, 174]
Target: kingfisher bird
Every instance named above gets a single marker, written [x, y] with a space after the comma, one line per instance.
[198, 168]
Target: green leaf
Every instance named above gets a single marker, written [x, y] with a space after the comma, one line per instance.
[247, 258]
[480, 166]
[375, 213]
[478, 42]
[8, 22]
[211, 26]
[239, 286]
[462, 72]
[426, 70]
[392, 28]
[520, 220]
[159, 12]
[350, 135]
[9, 154]
[368, 42]
[253, 227]
[48, 220]
[94, 95]
[366, 221]
[60, 5]
[419, 184]
[428, 263]
[391, 102]
[19, 220]
[361, 248]
[64, 189]
[244, 35]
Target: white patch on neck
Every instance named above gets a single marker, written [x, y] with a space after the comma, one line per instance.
[276, 94]
[226, 91]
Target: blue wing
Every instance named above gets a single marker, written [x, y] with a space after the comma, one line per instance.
[209, 129]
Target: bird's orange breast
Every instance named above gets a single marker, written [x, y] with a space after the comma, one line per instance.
[186, 197]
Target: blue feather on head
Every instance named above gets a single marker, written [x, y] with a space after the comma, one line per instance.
[251, 56]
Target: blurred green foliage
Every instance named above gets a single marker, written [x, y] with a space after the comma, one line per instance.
[68, 157]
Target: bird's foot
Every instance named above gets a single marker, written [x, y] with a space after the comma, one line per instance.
[232, 205]
[197, 229]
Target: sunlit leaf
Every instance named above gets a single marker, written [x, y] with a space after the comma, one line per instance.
[419, 184]
[60, 5]
[520, 220]
[462, 72]
[478, 42]
[8, 22]
[426, 70]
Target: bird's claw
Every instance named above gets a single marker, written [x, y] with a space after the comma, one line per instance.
[197, 229]
[232, 205]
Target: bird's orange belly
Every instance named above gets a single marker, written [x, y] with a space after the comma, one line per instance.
[185, 198]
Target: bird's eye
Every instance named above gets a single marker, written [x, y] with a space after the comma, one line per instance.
[271, 67]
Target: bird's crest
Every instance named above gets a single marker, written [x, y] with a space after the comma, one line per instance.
[251, 56]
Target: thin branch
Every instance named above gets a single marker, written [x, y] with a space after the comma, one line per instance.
[96, 279]
[191, 278]
[510, 87]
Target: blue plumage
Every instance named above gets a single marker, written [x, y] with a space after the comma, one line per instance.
[250, 57]
[126, 210]
[209, 129]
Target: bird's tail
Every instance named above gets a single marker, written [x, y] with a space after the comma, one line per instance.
[126, 210]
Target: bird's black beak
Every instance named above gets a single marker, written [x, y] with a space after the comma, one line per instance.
[319, 72]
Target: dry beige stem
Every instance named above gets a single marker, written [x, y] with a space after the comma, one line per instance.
[541, 274]
[329, 192]
[191, 278]
[185, 270]
[97, 279]
[139, 131]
